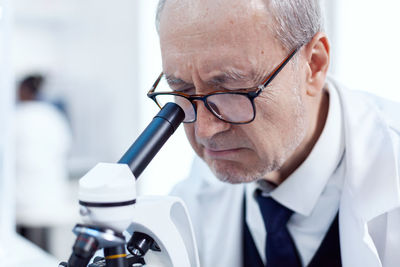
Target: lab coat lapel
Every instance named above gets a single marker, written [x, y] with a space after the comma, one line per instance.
[371, 171]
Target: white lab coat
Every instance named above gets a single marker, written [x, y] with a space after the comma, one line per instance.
[369, 221]
[42, 142]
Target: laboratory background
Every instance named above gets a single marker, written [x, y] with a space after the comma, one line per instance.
[91, 63]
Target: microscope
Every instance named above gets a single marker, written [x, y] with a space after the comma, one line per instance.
[133, 230]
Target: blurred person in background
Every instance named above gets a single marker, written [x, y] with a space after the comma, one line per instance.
[43, 139]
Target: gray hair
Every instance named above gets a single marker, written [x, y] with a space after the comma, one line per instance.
[296, 21]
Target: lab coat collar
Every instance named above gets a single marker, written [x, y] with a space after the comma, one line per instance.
[317, 169]
[374, 190]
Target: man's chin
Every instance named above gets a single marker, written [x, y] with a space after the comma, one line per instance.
[235, 180]
[233, 173]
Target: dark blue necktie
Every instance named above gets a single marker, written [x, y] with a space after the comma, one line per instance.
[280, 249]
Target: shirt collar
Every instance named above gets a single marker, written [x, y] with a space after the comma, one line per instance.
[302, 189]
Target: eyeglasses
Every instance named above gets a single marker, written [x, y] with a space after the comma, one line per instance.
[236, 107]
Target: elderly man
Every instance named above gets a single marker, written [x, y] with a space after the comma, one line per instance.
[307, 171]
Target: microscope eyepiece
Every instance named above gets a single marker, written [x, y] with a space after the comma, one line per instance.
[153, 138]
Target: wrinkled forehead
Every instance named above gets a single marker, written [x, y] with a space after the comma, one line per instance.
[204, 39]
[203, 15]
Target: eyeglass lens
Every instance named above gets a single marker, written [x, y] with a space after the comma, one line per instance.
[234, 108]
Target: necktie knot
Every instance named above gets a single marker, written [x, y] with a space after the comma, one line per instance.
[274, 214]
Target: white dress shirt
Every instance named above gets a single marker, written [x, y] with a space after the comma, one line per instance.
[312, 192]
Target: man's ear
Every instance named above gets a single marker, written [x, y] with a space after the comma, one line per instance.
[317, 56]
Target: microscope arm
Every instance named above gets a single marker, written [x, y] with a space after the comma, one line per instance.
[166, 220]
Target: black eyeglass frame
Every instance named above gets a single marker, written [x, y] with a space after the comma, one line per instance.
[251, 93]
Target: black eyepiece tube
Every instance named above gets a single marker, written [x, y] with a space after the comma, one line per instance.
[153, 138]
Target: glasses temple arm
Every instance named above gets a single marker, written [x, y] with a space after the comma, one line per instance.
[279, 68]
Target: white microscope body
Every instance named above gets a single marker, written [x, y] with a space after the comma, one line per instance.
[163, 218]
[160, 228]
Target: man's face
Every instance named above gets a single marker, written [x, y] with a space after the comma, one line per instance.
[204, 44]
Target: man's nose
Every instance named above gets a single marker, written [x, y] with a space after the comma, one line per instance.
[207, 124]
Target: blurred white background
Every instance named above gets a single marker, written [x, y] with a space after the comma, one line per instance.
[100, 57]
